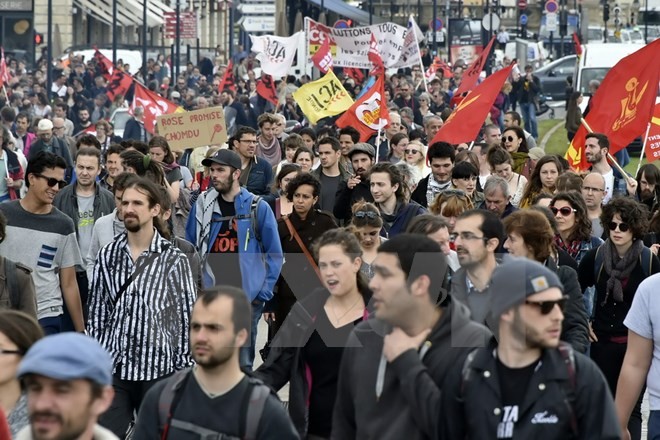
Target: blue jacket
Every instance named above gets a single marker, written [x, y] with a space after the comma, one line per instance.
[260, 261]
[260, 177]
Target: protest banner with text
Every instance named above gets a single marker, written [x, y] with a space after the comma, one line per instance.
[193, 129]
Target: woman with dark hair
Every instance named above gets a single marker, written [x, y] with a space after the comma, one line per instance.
[160, 151]
[307, 350]
[573, 225]
[616, 269]
[398, 144]
[530, 235]
[472, 157]
[366, 224]
[304, 157]
[297, 232]
[18, 332]
[42, 107]
[465, 177]
[13, 175]
[514, 141]
[573, 115]
[501, 164]
[543, 179]
[281, 205]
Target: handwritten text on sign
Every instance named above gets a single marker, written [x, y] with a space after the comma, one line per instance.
[193, 129]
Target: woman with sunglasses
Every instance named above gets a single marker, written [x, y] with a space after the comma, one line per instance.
[514, 141]
[398, 144]
[415, 156]
[573, 225]
[297, 232]
[543, 179]
[501, 164]
[307, 350]
[366, 224]
[18, 331]
[616, 269]
[529, 235]
[465, 177]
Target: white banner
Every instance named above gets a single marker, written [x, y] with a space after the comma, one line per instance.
[276, 54]
[349, 46]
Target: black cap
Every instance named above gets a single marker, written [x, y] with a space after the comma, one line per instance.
[224, 157]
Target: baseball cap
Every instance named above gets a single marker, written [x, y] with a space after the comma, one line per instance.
[362, 147]
[44, 125]
[536, 153]
[176, 95]
[68, 356]
[515, 280]
[224, 157]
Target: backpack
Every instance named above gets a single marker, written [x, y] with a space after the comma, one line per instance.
[12, 284]
[254, 226]
[252, 408]
[645, 259]
[567, 354]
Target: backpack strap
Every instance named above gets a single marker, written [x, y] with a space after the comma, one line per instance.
[12, 284]
[646, 259]
[166, 403]
[258, 394]
[254, 206]
[568, 355]
[598, 265]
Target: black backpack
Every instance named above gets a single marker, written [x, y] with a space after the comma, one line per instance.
[252, 407]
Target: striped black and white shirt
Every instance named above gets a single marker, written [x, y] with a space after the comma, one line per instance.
[146, 330]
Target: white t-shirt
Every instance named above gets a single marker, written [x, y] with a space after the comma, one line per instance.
[609, 186]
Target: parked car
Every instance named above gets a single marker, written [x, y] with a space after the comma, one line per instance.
[118, 120]
[553, 77]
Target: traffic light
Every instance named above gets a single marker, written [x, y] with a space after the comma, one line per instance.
[563, 23]
[606, 12]
[38, 38]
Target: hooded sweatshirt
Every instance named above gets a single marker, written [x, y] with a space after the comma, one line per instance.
[400, 400]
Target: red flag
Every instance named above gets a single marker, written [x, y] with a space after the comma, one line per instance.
[228, 80]
[323, 58]
[374, 57]
[369, 113]
[356, 74]
[154, 105]
[465, 121]
[118, 84]
[653, 137]
[266, 89]
[4, 72]
[578, 45]
[438, 64]
[471, 75]
[105, 65]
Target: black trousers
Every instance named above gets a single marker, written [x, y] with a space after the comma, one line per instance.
[127, 401]
[83, 288]
[609, 358]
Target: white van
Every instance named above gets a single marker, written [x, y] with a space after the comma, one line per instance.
[597, 59]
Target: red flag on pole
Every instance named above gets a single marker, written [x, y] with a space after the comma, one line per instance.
[118, 84]
[374, 57]
[266, 89]
[356, 74]
[471, 75]
[154, 105]
[323, 58]
[623, 104]
[228, 80]
[105, 64]
[369, 113]
[578, 45]
[653, 137]
[465, 121]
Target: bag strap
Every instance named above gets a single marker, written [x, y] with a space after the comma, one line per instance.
[598, 265]
[166, 399]
[646, 260]
[12, 284]
[141, 265]
[255, 408]
[567, 353]
[302, 246]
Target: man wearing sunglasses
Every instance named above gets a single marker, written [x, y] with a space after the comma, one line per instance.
[530, 385]
[44, 239]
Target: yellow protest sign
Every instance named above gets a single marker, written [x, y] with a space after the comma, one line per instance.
[322, 98]
[193, 129]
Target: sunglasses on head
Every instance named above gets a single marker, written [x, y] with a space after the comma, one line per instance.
[366, 214]
[411, 151]
[51, 181]
[623, 227]
[545, 307]
[508, 138]
[564, 211]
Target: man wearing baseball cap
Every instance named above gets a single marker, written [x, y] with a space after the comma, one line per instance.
[69, 385]
[356, 188]
[530, 386]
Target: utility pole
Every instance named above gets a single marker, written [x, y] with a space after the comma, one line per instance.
[49, 48]
[114, 32]
[144, 41]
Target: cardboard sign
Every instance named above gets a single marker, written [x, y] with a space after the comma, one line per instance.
[198, 128]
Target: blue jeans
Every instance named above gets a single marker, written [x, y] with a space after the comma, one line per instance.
[51, 325]
[654, 425]
[528, 110]
[247, 352]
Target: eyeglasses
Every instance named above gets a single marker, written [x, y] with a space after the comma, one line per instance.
[466, 236]
[248, 141]
[591, 189]
[565, 211]
[508, 138]
[545, 307]
[410, 151]
[623, 227]
[51, 181]
[367, 214]
[3, 351]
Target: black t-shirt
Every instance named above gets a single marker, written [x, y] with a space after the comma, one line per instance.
[513, 387]
[322, 354]
[225, 260]
[219, 413]
[329, 187]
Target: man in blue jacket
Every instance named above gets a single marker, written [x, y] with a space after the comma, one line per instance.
[237, 238]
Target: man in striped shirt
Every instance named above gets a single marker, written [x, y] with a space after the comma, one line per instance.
[141, 297]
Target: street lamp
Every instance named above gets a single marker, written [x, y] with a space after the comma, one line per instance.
[49, 48]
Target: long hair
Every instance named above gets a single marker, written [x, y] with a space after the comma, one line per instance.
[350, 245]
[535, 230]
[143, 165]
[582, 229]
[534, 186]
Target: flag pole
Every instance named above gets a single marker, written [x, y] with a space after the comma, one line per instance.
[470, 146]
[421, 64]
[641, 156]
[380, 130]
[609, 156]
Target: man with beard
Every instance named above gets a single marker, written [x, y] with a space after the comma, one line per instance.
[84, 202]
[441, 157]
[212, 397]
[236, 235]
[141, 296]
[234, 111]
[48, 142]
[268, 146]
[530, 385]
[597, 146]
[648, 179]
[348, 137]
[357, 187]
[256, 172]
[84, 121]
[593, 191]
[68, 382]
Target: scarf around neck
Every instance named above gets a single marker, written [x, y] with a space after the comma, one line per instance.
[572, 248]
[272, 153]
[435, 188]
[619, 268]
